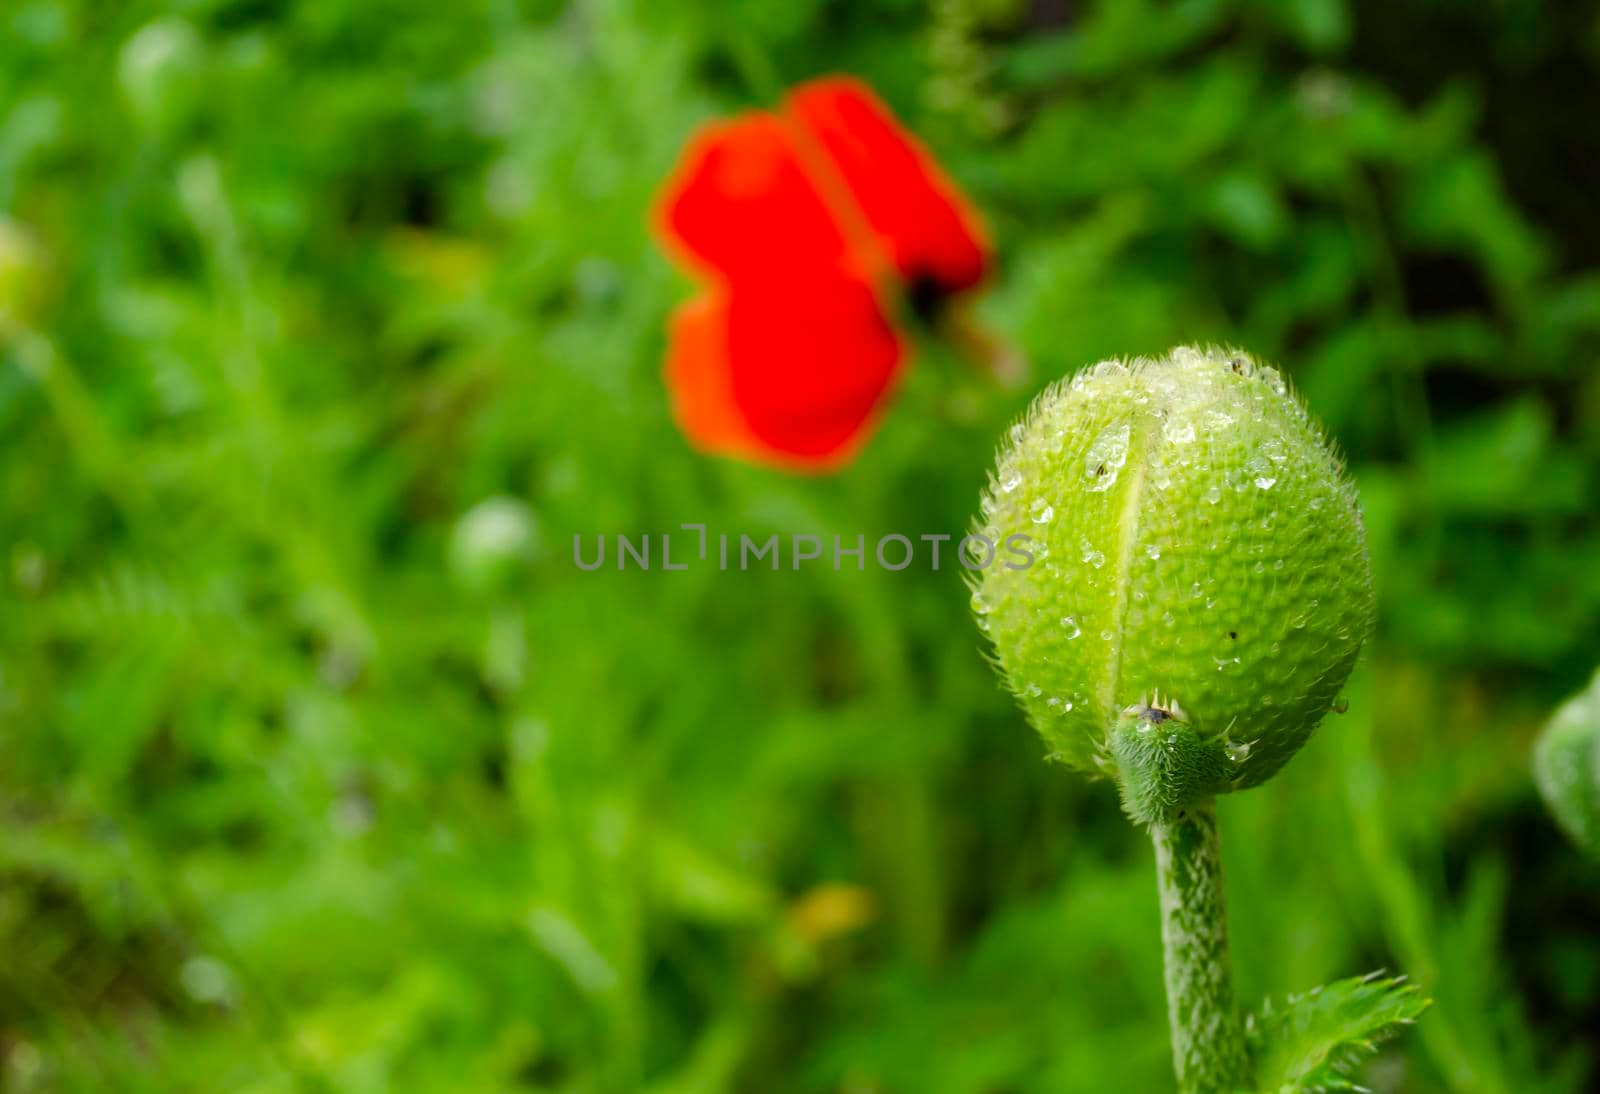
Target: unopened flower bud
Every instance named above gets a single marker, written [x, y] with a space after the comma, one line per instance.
[1200, 588]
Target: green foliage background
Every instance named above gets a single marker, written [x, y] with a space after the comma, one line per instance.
[305, 784]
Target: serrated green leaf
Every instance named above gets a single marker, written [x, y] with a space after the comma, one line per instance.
[1316, 1041]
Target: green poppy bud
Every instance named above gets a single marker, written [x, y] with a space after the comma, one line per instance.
[1566, 765]
[1199, 586]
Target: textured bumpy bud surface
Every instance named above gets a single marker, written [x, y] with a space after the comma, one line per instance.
[1200, 586]
[1566, 765]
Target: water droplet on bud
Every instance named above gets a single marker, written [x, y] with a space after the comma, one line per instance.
[1106, 457]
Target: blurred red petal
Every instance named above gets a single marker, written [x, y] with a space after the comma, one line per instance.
[740, 204]
[755, 376]
[919, 215]
[699, 377]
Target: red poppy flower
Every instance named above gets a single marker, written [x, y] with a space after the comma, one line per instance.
[808, 226]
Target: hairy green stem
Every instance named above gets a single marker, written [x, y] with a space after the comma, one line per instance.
[1208, 1047]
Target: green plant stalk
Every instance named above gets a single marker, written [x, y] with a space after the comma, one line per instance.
[1208, 1045]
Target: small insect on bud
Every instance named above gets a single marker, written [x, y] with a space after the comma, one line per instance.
[1200, 586]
